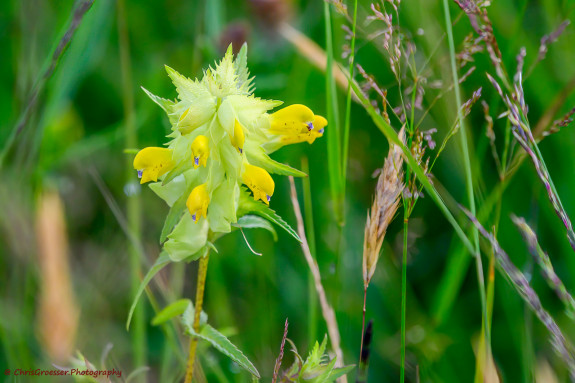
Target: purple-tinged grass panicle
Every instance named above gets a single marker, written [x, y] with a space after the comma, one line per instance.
[515, 277]
[281, 355]
[544, 262]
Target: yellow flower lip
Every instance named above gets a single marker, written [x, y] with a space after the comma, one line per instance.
[153, 162]
[200, 151]
[239, 137]
[259, 181]
[197, 202]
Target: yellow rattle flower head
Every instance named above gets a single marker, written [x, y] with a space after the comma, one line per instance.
[152, 163]
[219, 117]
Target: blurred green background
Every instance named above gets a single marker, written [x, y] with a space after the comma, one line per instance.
[72, 146]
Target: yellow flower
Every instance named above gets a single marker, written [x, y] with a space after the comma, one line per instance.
[239, 138]
[200, 151]
[293, 119]
[198, 202]
[153, 162]
[259, 181]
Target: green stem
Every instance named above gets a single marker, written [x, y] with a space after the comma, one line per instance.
[134, 213]
[333, 135]
[468, 175]
[348, 102]
[200, 287]
[404, 291]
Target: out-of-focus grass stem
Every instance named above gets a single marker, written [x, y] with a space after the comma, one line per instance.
[308, 216]
[468, 178]
[333, 134]
[134, 213]
[348, 102]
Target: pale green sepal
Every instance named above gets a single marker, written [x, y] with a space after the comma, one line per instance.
[247, 205]
[220, 342]
[160, 263]
[187, 238]
[173, 310]
[227, 116]
[231, 159]
[256, 222]
[223, 206]
[177, 171]
[256, 156]
[174, 216]
[244, 82]
[167, 105]
[248, 109]
[170, 192]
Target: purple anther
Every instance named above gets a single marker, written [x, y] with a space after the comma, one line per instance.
[140, 173]
[268, 197]
[241, 150]
[309, 126]
[193, 217]
[321, 131]
[197, 160]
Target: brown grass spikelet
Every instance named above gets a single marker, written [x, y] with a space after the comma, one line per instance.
[386, 201]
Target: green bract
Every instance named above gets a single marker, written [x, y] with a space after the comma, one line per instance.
[221, 137]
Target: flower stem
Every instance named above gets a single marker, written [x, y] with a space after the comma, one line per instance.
[202, 271]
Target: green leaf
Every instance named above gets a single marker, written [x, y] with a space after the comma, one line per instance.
[172, 310]
[258, 157]
[160, 263]
[255, 222]
[340, 371]
[220, 342]
[249, 205]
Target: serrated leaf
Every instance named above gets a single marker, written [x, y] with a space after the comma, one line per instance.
[340, 371]
[160, 263]
[172, 310]
[223, 344]
[256, 222]
[248, 205]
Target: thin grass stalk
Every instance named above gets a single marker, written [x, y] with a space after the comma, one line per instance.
[404, 291]
[134, 213]
[327, 311]
[50, 67]
[468, 180]
[308, 215]
[516, 278]
[348, 103]
[364, 357]
[543, 261]
[198, 304]
[334, 134]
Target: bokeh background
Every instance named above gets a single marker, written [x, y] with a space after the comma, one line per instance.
[66, 182]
